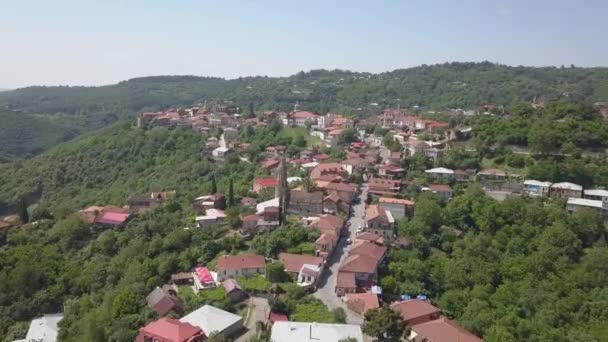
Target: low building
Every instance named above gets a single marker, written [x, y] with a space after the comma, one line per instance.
[440, 173]
[492, 175]
[45, 328]
[384, 187]
[566, 190]
[371, 237]
[345, 283]
[364, 268]
[304, 202]
[596, 194]
[416, 311]
[318, 332]
[575, 204]
[536, 188]
[182, 278]
[379, 221]
[440, 330]
[443, 191]
[293, 262]
[399, 208]
[308, 276]
[162, 301]
[370, 249]
[234, 291]
[391, 171]
[149, 201]
[170, 330]
[214, 321]
[414, 147]
[109, 219]
[231, 266]
[203, 278]
[361, 302]
[213, 201]
[248, 202]
[259, 184]
[211, 217]
[221, 153]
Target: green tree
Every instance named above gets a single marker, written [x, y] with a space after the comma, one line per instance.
[383, 323]
[275, 272]
[339, 315]
[231, 201]
[251, 111]
[24, 216]
[213, 184]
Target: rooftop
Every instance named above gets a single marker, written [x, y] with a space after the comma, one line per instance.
[414, 308]
[211, 319]
[294, 262]
[233, 262]
[443, 330]
[567, 186]
[440, 170]
[171, 330]
[396, 201]
[596, 192]
[362, 302]
[359, 264]
[318, 332]
[44, 328]
[583, 202]
[346, 280]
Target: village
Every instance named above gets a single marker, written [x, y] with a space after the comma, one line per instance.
[354, 203]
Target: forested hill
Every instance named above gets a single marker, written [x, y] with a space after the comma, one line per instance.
[73, 110]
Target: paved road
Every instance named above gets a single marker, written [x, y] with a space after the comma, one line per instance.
[258, 311]
[327, 284]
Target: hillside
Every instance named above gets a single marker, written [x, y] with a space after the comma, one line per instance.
[81, 109]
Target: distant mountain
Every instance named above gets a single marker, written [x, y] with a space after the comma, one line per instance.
[4, 89]
[447, 85]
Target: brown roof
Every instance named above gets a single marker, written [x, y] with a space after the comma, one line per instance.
[326, 168]
[414, 308]
[333, 196]
[367, 236]
[440, 187]
[327, 222]
[374, 211]
[161, 302]
[346, 280]
[362, 302]
[326, 238]
[294, 262]
[248, 201]
[359, 264]
[305, 196]
[444, 330]
[386, 184]
[234, 262]
[369, 249]
[396, 201]
[345, 187]
[250, 218]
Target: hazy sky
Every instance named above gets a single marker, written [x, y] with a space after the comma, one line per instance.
[84, 42]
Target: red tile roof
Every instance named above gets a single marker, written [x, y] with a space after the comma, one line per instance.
[405, 202]
[321, 156]
[346, 280]
[328, 222]
[112, 218]
[294, 262]
[375, 211]
[303, 115]
[203, 275]
[444, 330]
[270, 163]
[266, 182]
[369, 249]
[277, 317]
[325, 239]
[440, 188]
[343, 187]
[414, 308]
[326, 168]
[359, 264]
[362, 302]
[234, 262]
[170, 330]
[367, 236]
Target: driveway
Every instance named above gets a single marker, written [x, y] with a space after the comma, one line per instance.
[258, 311]
[327, 284]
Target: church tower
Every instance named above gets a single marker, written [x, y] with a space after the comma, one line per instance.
[282, 189]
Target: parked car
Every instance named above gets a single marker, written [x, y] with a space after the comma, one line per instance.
[349, 241]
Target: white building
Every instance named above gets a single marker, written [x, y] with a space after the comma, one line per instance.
[318, 332]
[536, 188]
[440, 172]
[214, 321]
[596, 194]
[44, 329]
[566, 190]
[211, 217]
[220, 153]
[575, 204]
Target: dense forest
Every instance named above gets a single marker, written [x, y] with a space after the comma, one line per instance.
[524, 271]
[74, 110]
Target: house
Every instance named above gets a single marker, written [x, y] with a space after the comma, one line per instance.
[144, 203]
[270, 164]
[182, 278]
[203, 279]
[259, 184]
[536, 188]
[370, 237]
[312, 331]
[332, 203]
[355, 165]
[213, 201]
[347, 192]
[440, 330]
[109, 219]
[261, 207]
[574, 204]
[361, 302]
[211, 217]
[328, 224]
[379, 221]
[231, 266]
[414, 147]
[566, 190]
[363, 267]
[161, 301]
[596, 194]
[416, 311]
[399, 208]
[368, 248]
[391, 171]
[491, 175]
[248, 202]
[304, 202]
[220, 153]
[308, 276]
[299, 118]
[233, 290]
[440, 173]
[345, 283]
[214, 321]
[45, 328]
[324, 169]
[230, 134]
[325, 244]
[384, 187]
[461, 175]
[170, 330]
[443, 191]
[293, 262]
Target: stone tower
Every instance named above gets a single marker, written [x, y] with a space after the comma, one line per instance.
[282, 189]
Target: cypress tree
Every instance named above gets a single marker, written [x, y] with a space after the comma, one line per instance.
[231, 202]
[22, 210]
[213, 184]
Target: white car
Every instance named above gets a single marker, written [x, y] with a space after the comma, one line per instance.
[349, 241]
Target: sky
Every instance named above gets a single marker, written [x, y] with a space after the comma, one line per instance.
[96, 42]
